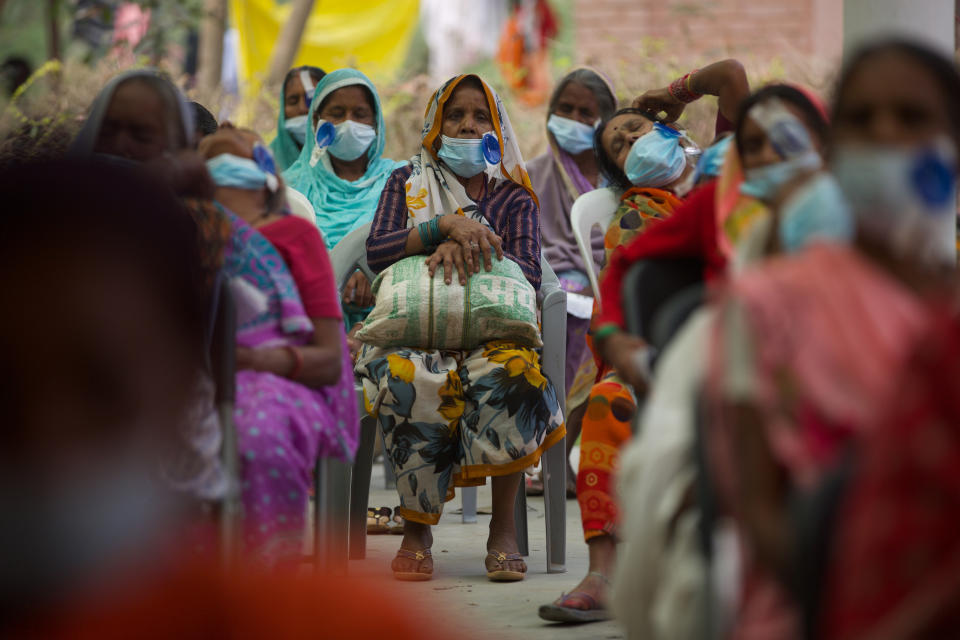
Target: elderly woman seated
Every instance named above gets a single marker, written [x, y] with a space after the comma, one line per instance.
[453, 416]
[295, 383]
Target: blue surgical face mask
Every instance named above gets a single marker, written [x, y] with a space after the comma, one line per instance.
[297, 127]
[817, 211]
[764, 183]
[905, 196]
[464, 156]
[228, 170]
[656, 159]
[352, 140]
[572, 136]
[711, 160]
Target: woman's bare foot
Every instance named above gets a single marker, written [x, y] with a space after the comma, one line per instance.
[593, 585]
[416, 537]
[603, 554]
[503, 530]
[503, 540]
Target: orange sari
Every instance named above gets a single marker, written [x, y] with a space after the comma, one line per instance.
[611, 404]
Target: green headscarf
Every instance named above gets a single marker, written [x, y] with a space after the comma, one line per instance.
[341, 206]
[285, 148]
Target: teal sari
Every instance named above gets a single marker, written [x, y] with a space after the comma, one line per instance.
[340, 205]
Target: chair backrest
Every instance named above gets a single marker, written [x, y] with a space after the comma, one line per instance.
[350, 254]
[589, 210]
[549, 282]
[648, 288]
[300, 206]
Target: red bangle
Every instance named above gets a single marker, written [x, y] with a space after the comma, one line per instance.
[298, 361]
[680, 89]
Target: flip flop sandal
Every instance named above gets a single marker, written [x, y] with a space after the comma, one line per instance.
[558, 612]
[501, 574]
[377, 520]
[396, 523]
[414, 576]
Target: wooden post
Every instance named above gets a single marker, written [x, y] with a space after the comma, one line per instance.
[53, 29]
[288, 43]
[210, 55]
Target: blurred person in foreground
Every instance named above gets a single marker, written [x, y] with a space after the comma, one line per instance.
[97, 372]
[807, 347]
[94, 545]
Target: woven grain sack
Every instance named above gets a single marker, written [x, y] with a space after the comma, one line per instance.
[414, 310]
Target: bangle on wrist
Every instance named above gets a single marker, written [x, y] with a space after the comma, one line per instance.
[298, 361]
[436, 235]
[605, 331]
[681, 89]
[425, 236]
[430, 234]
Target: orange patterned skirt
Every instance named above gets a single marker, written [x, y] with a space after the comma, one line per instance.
[606, 428]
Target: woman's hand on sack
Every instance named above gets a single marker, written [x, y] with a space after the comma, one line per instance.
[357, 291]
[474, 238]
[450, 256]
[660, 100]
[352, 343]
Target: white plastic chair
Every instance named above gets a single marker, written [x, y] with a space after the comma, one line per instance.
[592, 208]
[350, 254]
[300, 206]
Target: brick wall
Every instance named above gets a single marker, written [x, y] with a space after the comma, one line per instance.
[614, 29]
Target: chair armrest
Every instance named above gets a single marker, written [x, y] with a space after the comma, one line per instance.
[553, 318]
[350, 254]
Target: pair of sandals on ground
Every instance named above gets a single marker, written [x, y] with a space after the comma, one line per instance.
[383, 520]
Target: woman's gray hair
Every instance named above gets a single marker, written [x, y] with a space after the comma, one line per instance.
[606, 101]
[178, 114]
[177, 136]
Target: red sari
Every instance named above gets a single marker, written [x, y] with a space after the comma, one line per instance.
[895, 569]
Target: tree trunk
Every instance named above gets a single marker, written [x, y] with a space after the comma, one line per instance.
[210, 61]
[53, 29]
[288, 43]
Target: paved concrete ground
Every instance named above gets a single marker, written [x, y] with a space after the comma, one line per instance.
[463, 596]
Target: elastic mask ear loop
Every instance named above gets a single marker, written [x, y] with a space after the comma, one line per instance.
[326, 134]
[308, 87]
[264, 160]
